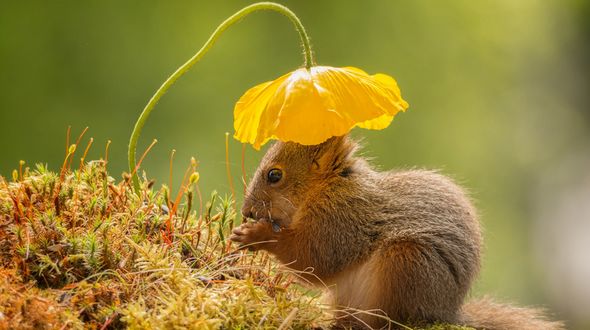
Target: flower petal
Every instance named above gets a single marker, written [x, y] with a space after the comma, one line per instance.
[251, 106]
[310, 106]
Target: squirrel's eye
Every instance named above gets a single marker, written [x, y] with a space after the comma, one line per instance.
[274, 175]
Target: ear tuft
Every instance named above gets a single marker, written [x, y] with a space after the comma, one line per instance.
[335, 155]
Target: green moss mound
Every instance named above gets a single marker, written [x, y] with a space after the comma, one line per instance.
[79, 250]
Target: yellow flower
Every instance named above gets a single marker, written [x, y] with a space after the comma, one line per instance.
[310, 106]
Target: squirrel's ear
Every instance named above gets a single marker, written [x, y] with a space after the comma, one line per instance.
[334, 155]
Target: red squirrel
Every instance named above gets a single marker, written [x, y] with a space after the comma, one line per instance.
[404, 243]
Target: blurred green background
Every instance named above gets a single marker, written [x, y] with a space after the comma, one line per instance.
[498, 90]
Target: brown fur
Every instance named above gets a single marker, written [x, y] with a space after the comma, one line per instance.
[488, 314]
[405, 244]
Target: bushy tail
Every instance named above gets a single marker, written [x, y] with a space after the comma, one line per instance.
[487, 314]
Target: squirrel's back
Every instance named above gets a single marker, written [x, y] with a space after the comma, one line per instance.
[425, 204]
[428, 254]
[430, 209]
[426, 260]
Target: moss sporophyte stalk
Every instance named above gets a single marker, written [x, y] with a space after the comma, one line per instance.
[325, 101]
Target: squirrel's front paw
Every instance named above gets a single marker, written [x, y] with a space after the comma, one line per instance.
[253, 235]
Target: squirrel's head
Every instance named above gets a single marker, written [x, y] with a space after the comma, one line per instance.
[291, 173]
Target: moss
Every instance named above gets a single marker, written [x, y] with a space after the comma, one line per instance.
[80, 250]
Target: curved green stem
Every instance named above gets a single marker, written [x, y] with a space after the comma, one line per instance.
[186, 66]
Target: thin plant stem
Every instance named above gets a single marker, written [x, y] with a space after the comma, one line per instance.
[68, 138]
[170, 177]
[20, 170]
[106, 151]
[308, 55]
[85, 153]
[136, 167]
[228, 171]
[244, 177]
[77, 144]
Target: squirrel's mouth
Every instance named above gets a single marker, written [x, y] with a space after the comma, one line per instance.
[261, 216]
[269, 219]
[264, 214]
[276, 223]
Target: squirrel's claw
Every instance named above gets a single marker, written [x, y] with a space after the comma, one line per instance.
[252, 235]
